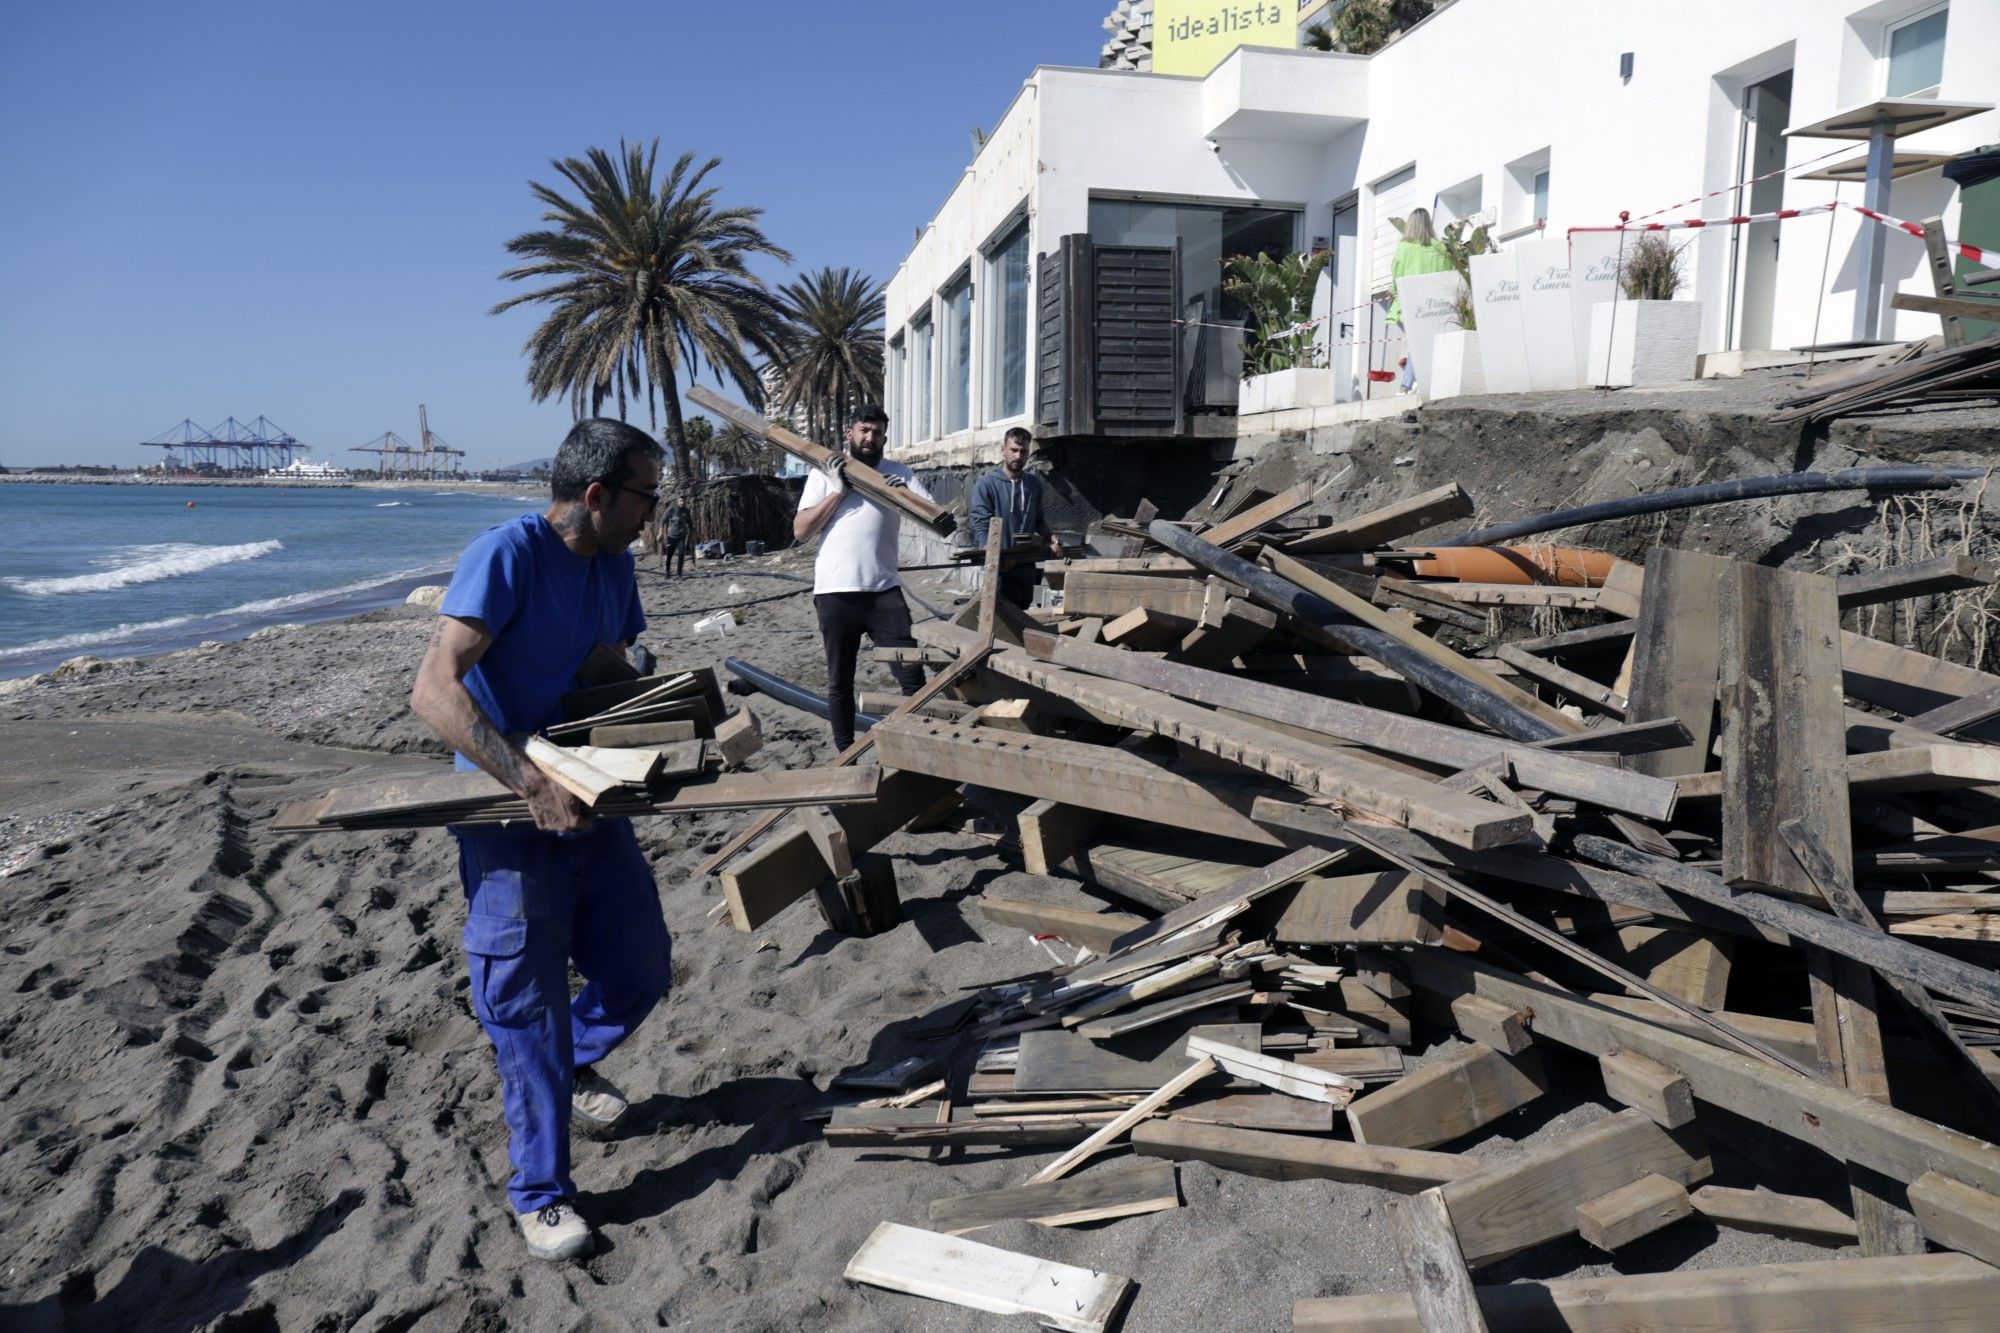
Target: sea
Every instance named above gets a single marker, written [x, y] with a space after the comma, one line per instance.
[127, 571]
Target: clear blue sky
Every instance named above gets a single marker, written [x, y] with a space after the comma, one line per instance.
[298, 209]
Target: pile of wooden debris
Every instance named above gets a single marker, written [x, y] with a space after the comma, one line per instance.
[1740, 856]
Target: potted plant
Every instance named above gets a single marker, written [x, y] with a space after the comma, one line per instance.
[1645, 336]
[1281, 364]
[1453, 356]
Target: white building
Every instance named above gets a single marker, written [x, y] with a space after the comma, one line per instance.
[1522, 109]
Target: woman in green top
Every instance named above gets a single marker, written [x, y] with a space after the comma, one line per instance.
[1418, 252]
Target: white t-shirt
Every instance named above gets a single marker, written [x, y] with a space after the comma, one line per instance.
[857, 547]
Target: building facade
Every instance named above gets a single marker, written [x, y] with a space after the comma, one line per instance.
[1539, 116]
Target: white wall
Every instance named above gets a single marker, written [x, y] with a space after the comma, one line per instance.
[1482, 84]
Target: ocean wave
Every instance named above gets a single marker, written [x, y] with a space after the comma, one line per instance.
[264, 609]
[393, 504]
[145, 564]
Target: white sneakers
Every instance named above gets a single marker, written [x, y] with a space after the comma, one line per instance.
[555, 1232]
[595, 1103]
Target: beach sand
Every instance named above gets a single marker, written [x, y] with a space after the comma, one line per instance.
[243, 1089]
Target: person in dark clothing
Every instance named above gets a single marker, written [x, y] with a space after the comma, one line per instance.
[677, 530]
[1011, 492]
[856, 589]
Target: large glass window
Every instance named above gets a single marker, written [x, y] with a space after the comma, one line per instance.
[957, 301]
[1007, 326]
[897, 373]
[1916, 54]
[1207, 234]
[920, 377]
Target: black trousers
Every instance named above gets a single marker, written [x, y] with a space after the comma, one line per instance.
[1018, 585]
[677, 547]
[843, 618]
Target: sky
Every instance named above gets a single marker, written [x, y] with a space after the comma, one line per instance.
[299, 209]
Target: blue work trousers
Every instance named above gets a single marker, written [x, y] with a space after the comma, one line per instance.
[535, 903]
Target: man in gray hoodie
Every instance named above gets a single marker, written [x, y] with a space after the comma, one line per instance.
[1012, 493]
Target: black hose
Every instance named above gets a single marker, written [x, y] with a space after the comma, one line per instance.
[1287, 598]
[1719, 492]
[787, 693]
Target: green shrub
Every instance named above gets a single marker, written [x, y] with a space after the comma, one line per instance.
[1279, 293]
[1651, 270]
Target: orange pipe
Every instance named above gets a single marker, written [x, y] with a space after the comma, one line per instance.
[1563, 566]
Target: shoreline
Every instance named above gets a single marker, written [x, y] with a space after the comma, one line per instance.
[471, 485]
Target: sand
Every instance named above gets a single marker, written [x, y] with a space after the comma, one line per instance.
[242, 1087]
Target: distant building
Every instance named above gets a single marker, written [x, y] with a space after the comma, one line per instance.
[1540, 118]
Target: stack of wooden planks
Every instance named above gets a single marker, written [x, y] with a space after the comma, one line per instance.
[1379, 848]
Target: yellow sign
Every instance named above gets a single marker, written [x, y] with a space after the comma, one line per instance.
[1194, 36]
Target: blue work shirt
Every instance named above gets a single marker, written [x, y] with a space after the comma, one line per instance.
[546, 608]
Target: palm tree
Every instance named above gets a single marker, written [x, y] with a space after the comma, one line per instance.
[831, 358]
[651, 281]
[744, 450]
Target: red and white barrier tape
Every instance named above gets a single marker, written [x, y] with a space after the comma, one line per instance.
[1712, 194]
[1976, 254]
[1735, 220]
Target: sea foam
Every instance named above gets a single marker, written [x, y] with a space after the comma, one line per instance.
[144, 564]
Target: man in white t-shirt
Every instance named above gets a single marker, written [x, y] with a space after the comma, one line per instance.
[856, 589]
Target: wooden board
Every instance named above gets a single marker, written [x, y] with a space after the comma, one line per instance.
[1834, 1120]
[1957, 1216]
[1057, 1061]
[1124, 1191]
[1091, 930]
[1676, 654]
[1316, 769]
[1532, 1197]
[1258, 1110]
[1559, 772]
[1613, 1221]
[982, 1277]
[1440, 1286]
[1645, 1085]
[1299, 1156]
[1052, 832]
[1095, 776]
[1244, 522]
[1448, 1098]
[1385, 907]
[1789, 1215]
[1949, 1293]
[1379, 527]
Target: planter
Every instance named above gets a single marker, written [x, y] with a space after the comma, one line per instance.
[1305, 386]
[1455, 367]
[1634, 343]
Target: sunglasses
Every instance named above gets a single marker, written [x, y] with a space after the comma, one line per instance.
[651, 498]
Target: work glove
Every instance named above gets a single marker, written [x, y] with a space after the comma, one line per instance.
[835, 469]
[894, 482]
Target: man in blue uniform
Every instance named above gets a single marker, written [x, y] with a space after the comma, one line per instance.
[1012, 492]
[530, 599]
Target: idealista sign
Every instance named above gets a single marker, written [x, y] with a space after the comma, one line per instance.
[1194, 36]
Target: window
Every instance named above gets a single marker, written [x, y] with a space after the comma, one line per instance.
[921, 340]
[1007, 326]
[1524, 194]
[957, 301]
[897, 373]
[1915, 54]
[1207, 234]
[1461, 201]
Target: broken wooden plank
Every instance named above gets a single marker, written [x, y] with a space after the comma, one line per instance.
[1643, 1084]
[1955, 1215]
[1280, 1075]
[1563, 772]
[1494, 1025]
[1613, 1221]
[1094, 776]
[1386, 907]
[737, 737]
[1126, 1191]
[1379, 527]
[1531, 1198]
[1140, 1110]
[1676, 654]
[1834, 1120]
[1447, 1099]
[1792, 1216]
[983, 1277]
[1317, 769]
[1091, 930]
[1440, 1287]
[1247, 521]
[1951, 1293]
[1060, 1061]
[1924, 578]
[1300, 1157]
